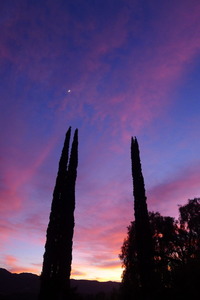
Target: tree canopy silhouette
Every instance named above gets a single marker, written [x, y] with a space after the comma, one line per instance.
[55, 276]
[176, 254]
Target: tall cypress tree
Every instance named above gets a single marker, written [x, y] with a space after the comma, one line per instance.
[142, 226]
[55, 276]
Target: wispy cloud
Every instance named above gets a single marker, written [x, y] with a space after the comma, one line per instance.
[182, 186]
[13, 265]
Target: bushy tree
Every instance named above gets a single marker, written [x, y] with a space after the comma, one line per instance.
[130, 276]
[190, 224]
[176, 254]
[186, 276]
[163, 230]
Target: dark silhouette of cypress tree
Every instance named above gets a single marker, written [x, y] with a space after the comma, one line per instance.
[144, 244]
[55, 276]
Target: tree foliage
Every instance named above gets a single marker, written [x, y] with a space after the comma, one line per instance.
[190, 225]
[176, 252]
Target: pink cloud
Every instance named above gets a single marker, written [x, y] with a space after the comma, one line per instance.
[12, 264]
[6, 230]
[18, 174]
[77, 274]
[166, 197]
[10, 260]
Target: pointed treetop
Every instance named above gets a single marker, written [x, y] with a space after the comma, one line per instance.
[135, 159]
[67, 137]
[69, 129]
[73, 161]
[65, 152]
[134, 140]
[134, 145]
[76, 134]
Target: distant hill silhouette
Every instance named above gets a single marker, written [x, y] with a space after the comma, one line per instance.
[26, 286]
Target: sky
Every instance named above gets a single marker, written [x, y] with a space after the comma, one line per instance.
[113, 69]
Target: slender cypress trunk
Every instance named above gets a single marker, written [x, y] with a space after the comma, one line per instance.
[55, 276]
[142, 225]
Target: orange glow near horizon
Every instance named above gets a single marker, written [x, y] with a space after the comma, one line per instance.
[99, 274]
[89, 273]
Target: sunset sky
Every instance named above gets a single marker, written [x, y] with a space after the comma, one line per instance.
[113, 69]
